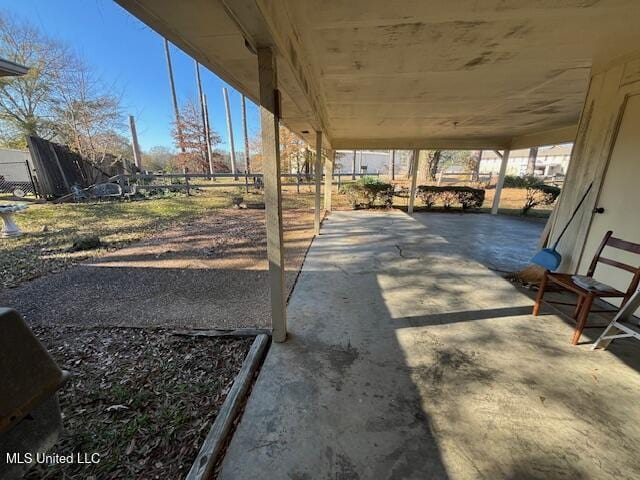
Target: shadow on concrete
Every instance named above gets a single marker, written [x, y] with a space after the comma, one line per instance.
[461, 316]
[336, 400]
[499, 242]
[387, 374]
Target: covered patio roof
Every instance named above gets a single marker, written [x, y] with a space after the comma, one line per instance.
[420, 74]
[11, 69]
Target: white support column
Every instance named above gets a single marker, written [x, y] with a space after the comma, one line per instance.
[318, 174]
[500, 184]
[270, 123]
[414, 179]
[328, 178]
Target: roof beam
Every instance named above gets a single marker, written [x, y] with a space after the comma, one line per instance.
[555, 136]
[260, 30]
[423, 143]
[11, 69]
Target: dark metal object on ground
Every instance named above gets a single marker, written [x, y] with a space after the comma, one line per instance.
[30, 418]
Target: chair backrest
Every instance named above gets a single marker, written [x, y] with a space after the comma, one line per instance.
[610, 241]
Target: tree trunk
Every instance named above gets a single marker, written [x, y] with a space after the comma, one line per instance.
[531, 164]
[434, 164]
[475, 166]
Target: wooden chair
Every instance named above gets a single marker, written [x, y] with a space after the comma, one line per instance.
[586, 297]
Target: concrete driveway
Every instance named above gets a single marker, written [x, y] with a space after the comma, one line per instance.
[408, 358]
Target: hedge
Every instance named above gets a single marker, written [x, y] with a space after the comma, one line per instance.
[366, 191]
[514, 181]
[450, 196]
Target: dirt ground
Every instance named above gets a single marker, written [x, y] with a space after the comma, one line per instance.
[144, 400]
[209, 272]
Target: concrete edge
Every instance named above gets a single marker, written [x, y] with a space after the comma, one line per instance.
[207, 457]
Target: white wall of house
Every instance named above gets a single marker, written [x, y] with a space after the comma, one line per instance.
[375, 161]
[550, 161]
[618, 198]
[605, 153]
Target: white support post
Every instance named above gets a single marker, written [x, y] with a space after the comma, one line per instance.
[328, 178]
[270, 125]
[318, 177]
[500, 184]
[414, 179]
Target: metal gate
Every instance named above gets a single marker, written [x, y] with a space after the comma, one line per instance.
[16, 178]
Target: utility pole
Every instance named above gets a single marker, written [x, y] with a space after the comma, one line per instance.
[203, 117]
[230, 130]
[247, 157]
[392, 164]
[207, 130]
[176, 109]
[137, 157]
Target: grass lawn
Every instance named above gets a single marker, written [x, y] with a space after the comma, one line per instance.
[51, 229]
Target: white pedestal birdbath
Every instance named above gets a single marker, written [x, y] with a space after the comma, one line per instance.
[9, 228]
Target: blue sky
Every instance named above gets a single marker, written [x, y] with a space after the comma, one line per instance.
[130, 55]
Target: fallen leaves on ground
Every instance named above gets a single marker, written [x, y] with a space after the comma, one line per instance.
[143, 399]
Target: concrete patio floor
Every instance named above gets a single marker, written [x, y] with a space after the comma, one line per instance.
[408, 358]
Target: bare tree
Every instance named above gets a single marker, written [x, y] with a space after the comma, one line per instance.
[160, 158]
[58, 99]
[291, 149]
[88, 116]
[191, 137]
[27, 102]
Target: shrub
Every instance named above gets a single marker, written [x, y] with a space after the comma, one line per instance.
[367, 190]
[514, 181]
[470, 197]
[540, 194]
[428, 195]
[449, 196]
